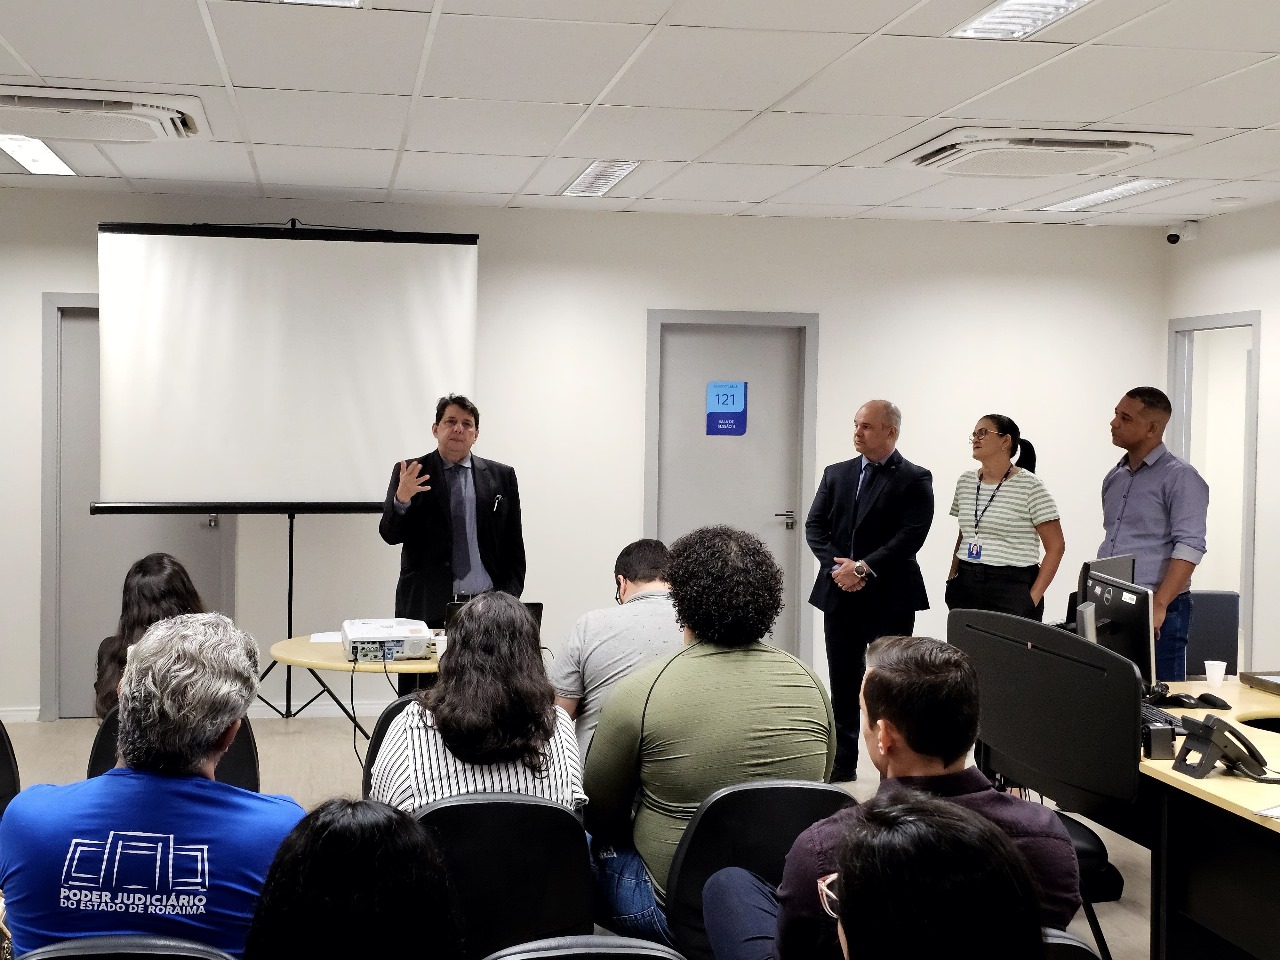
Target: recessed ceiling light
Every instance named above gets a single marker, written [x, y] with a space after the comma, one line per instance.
[1130, 188]
[599, 178]
[34, 155]
[1015, 19]
[313, 3]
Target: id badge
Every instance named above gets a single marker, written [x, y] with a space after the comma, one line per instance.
[975, 550]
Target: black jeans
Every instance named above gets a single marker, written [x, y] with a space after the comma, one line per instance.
[981, 586]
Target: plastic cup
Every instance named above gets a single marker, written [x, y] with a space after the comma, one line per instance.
[1215, 672]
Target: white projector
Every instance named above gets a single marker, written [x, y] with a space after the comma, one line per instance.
[375, 641]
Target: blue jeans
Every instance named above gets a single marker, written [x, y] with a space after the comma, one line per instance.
[741, 914]
[1171, 644]
[625, 900]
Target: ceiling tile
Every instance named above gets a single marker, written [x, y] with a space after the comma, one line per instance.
[552, 61]
[730, 181]
[324, 166]
[195, 188]
[319, 48]
[1236, 158]
[866, 186]
[819, 210]
[489, 126]
[806, 138]
[309, 119]
[651, 133]
[916, 213]
[223, 123]
[182, 160]
[571, 203]
[293, 191]
[107, 40]
[1194, 24]
[916, 76]
[1082, 186]
[45, 182]
[1025, 216]
[597, 11]
[986, 192]
[1244, 99]
[712, 207]
[937, 18]
[10, 165]
[832, 16]
[1127, 219]
[436, 198]
[1094, 19]
[558, 172]
[9, 66]
[718, 69]
[84, 158]
[1091, 83]
[1200, 203]
[419, 6]
[469, 173]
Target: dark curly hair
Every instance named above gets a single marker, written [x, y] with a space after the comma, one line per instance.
[347, 859]
[156, 588]
[493, 703]
[725, 584]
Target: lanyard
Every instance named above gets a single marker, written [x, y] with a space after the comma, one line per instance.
[977, 491]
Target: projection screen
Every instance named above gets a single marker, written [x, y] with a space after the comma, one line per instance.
[273, 364]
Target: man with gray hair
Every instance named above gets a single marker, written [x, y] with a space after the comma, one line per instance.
[156, 845]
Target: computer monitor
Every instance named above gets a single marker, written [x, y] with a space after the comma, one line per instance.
[1123, 620]
[1120, 567]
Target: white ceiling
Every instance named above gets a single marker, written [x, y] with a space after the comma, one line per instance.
[735, 107]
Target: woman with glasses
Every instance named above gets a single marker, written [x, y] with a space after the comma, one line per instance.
[1006, 516]
[490, 725]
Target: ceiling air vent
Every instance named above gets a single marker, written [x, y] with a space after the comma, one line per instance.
[1008, 152]
[49, 114]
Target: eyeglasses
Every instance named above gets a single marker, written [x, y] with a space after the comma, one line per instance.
[981, 433]
[827, 896]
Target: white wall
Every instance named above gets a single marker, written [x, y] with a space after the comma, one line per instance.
[1234, 266]
[951, 321]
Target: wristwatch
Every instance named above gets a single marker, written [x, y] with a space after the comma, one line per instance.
[860, 569]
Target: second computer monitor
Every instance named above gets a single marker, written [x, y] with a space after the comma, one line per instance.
[1120, 567]
[1123, 619]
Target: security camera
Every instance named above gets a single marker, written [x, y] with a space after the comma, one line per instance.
[1187, 231]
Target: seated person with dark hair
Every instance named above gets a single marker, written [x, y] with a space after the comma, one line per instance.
[353, 859]
[916, 873]
[154, 846]
[610, 644]
[725, 709]
[920, 709]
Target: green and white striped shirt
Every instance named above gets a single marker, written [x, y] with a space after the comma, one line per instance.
[1007, 530]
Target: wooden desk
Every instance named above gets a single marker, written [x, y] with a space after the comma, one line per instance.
[302, 652]
[1215, 864]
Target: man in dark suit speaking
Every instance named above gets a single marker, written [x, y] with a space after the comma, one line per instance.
[870, 517]
[461, 530]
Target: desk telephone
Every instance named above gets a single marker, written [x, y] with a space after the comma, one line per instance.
[1214, 739]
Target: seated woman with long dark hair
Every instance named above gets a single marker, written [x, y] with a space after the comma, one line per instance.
[489, 725]
[156, 588]
[352, 880]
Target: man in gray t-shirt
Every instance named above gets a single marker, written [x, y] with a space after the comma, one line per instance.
[607, 645]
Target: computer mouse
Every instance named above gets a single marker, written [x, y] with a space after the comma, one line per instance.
[1179, 700]
[1213, 701]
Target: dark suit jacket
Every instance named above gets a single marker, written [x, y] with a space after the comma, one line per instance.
[426, 531]
[891, 522]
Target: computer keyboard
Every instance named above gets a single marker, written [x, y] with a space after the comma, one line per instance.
[1154, 716]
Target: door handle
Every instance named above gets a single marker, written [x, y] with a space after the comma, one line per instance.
[790, 517]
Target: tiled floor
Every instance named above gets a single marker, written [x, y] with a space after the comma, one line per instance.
[311, 759]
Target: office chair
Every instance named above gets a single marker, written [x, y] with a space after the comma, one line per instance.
[127, 947]
[749, 825]
[389, 713]
[10, 784]
[238, 766]
[1215, 630]
[590, 947]
[1061, 945]
[1060, 716]
[518, 866]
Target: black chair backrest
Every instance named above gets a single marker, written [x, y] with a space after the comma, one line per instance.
[750, 825]
[1060, 715]
[238, 766]
[1215, 630]
[519, 868]
[589, 947]
[389, 713]
[1061, 945]
[127, 947]
[10, 784]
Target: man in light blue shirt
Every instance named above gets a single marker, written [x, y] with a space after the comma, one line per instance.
[1155, 506]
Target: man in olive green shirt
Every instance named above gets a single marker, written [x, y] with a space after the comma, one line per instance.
[726, 709]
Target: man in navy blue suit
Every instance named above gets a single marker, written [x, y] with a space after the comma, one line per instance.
[868, 520]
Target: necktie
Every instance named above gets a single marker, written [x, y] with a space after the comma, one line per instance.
[865, 477]
[458, 509]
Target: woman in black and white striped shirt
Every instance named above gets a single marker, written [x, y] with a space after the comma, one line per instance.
[489, 725]
[1006, 516]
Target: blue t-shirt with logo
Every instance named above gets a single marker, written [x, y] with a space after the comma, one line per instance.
[133, 852]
